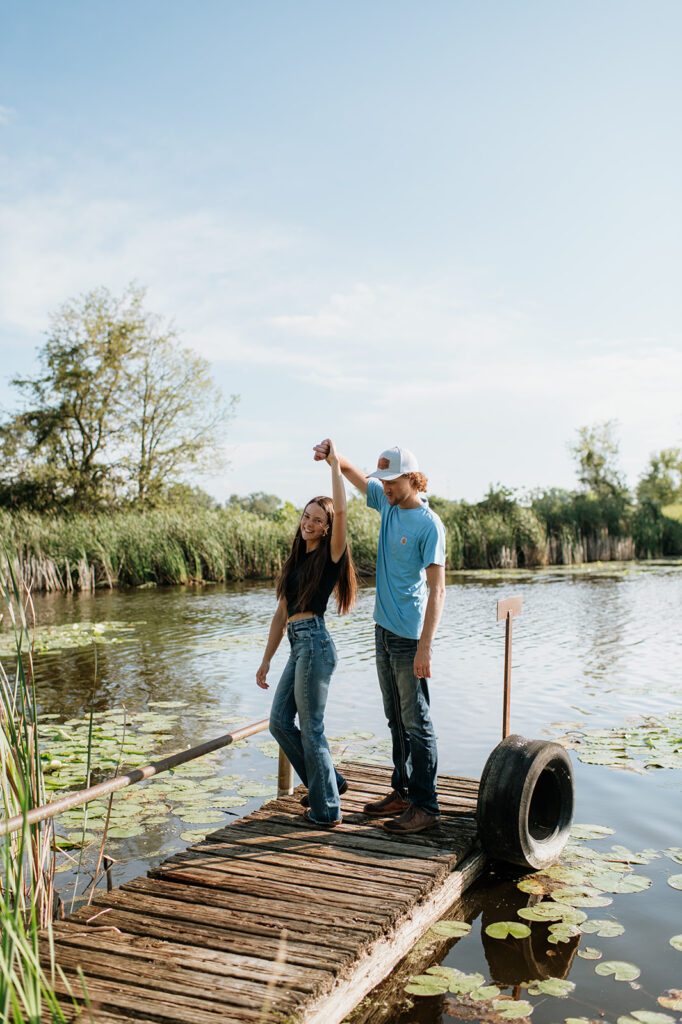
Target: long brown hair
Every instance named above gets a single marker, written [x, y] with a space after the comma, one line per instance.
[346, 589]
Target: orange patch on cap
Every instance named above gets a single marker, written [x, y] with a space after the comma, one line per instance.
[383, 464]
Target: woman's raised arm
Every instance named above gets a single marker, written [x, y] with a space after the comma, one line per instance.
[337, 544]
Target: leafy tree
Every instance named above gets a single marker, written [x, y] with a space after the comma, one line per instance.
[187, 496]
[596, 454]
[60, 443]
[118, 410]
[261, 504]
[175, 414]
[661, 482]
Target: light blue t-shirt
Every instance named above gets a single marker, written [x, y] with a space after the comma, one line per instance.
[410, 539]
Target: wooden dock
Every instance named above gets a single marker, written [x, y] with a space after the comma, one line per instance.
[269, 919]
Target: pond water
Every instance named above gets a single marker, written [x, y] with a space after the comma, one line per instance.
[596, 651]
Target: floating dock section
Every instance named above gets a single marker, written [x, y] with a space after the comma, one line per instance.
[270, 919]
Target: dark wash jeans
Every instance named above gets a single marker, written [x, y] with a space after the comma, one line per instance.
[406, 705]
[303, 690]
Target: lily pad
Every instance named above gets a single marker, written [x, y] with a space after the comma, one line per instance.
[577, 897]
[504, 929]
[512, 1009]
[558, 987]
[646, 1017]
[672, 999]
[458, 982]
[485, 992]
[194, 835]
[547, 911]
[252, 789]
[634, 883]
[532, 885]
[450, 929]
[602, 927]
[426, 985]
[620, 969]
[590, 831]
[675, 881]
[201, 818]
[676, 942]
[562, 932]
[590, 953]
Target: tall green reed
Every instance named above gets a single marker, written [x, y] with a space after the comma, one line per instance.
[27, 861]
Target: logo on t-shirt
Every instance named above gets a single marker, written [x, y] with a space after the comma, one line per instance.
[403, 540]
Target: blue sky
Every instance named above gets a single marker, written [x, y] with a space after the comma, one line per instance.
[449, 225]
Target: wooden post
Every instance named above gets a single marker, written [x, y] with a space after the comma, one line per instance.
[507, 610]
[285, 775]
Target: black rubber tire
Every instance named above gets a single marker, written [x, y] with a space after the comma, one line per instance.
[525, 802]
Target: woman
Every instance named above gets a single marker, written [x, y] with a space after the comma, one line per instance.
[318, 564]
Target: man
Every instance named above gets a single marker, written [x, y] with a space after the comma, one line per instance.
[409, 600]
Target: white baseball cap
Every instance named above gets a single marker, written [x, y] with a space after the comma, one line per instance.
[395, 462]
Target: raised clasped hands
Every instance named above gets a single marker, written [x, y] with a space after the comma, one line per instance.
[325, 451]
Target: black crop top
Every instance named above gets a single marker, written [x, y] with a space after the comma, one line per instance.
[318, 603]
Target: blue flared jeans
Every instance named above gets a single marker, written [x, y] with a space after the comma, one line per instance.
[406, 706]
[302, 691]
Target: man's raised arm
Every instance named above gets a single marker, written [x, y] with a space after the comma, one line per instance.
[351, 472]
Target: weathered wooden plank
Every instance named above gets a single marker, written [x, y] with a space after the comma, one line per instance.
[257, 919]
[164, 980]
[377, 842]
[138, 1001]
[370, 769]
[349, 855]
[434, 844]
[209, 961]
[215, 938]
[279, 912]
[242, 881]
[312, 866]
[217, 917]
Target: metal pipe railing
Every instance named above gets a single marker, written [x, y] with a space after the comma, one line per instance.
[84, 796]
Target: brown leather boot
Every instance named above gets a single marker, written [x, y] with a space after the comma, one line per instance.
[413, 820]
[394, 803]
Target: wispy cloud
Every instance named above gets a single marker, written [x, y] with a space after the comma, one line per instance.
[6, 115]
[60, 245]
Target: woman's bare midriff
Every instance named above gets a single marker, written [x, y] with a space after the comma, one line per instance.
[301, 615]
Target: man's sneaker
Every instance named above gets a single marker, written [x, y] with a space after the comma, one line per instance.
[394, 803]
[305, 800]
[413, 820]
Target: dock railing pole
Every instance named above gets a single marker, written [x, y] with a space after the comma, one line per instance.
[136, 775]
[285, 775]
[507, 610]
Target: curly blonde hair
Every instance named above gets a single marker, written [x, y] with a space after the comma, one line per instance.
[419, 481]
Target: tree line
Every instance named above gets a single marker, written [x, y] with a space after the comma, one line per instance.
[121, 415]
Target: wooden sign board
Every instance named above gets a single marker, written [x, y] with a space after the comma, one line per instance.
[511, 604]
